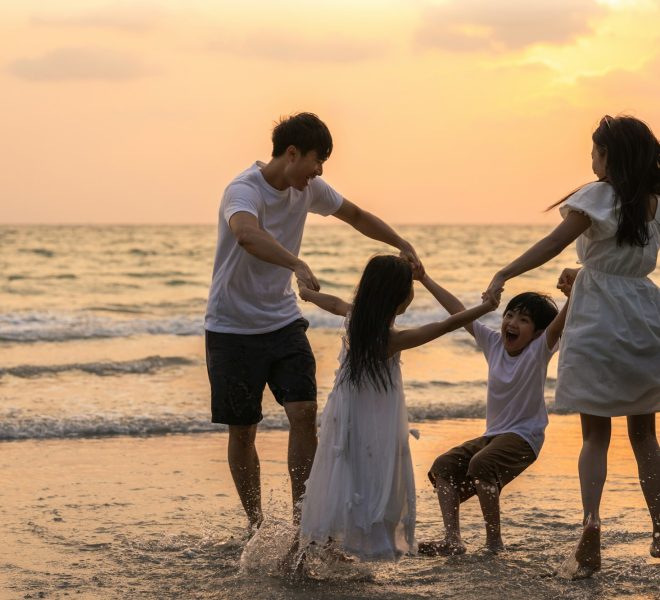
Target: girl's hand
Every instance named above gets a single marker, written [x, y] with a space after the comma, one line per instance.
[566, 280]
[418, 273]
[304, 292]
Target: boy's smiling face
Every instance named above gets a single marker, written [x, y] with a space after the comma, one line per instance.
[518, 330]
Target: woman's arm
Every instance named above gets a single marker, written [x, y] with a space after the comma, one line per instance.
[550, 246]
[411, 338]
[332, 304]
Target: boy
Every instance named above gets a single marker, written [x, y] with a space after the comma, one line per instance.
[516, 416]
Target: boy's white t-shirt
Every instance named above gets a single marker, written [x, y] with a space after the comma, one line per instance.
[249, 295]
[516, 384]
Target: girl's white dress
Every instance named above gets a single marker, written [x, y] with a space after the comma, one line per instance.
[609, 358]
[361, 490]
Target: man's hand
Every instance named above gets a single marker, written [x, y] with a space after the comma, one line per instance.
[408, 252]
[305, 277]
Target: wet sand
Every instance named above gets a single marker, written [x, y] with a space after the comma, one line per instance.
[157, 517]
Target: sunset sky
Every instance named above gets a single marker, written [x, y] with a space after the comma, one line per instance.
[452, 111]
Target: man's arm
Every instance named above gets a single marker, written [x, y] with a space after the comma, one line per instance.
[264, 246]
[376, 229]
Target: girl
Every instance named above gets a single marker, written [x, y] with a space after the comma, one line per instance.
[610, 353]
[361, 490]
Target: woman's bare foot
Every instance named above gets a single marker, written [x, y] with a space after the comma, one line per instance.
[442, 548]
[585, 561]
[655, 545]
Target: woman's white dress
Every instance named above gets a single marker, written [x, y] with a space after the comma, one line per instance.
[361, 490]
[609, 358]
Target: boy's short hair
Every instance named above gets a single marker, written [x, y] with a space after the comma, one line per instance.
[540, 308]
[306, 132]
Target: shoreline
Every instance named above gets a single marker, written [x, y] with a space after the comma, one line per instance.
[115, 517]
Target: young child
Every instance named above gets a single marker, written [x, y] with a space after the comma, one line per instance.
[516, 416]
[361, 490]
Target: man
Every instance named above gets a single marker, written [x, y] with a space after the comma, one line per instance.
[255, 333]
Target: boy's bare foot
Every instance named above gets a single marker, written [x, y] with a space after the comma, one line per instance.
[441, 548]
[585, 561]
[655, 545]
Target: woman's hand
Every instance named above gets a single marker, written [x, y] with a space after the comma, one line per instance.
[495, 287]
[492, 298]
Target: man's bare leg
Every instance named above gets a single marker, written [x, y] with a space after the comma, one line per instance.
[245, 470]
[489, 499]
[641, 431]
[449, 500]
[302, 447]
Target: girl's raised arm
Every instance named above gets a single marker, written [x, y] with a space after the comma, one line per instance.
[411, 338]
[327, 302]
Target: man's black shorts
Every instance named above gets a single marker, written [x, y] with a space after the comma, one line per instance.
[240, 366]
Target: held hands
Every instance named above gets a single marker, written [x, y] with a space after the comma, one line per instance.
[408, 252]
[305, 277]
[492, 297]
[495, 287]
[566, 280]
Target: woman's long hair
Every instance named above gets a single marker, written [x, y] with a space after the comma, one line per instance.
[384, 286]
[632, 169]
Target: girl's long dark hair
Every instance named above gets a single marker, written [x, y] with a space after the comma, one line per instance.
[633, 170]
[384, 286]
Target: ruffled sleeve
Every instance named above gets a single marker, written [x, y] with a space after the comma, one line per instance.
[598, 202]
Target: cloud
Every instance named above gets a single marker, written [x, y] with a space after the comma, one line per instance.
[626, 90]
[79, 63]
[122, 17]
[475, 25]
[267, 45]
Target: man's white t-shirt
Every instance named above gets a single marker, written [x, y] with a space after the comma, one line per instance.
[249, 295]
[516, 384]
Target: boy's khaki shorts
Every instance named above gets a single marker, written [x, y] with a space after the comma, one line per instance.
[494, 459]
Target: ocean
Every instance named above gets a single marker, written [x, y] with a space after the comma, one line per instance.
[101, 326]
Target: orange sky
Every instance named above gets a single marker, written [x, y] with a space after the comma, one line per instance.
[447, 111]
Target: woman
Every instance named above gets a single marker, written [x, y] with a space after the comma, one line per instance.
[609, 361]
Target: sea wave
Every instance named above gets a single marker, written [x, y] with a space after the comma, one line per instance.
[58, 327]
[141, 366]
[15, 426]
[36, 326]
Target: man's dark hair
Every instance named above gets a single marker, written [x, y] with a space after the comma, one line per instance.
[306, 132]
[540, 308]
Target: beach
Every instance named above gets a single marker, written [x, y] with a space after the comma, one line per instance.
[114, 483]
[157, 517]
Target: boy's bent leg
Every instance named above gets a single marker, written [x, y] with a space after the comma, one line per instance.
[489, 500]
[302, 447]
[452, 485]
[449, 500]
[641, 431]
[245, 470]
[505, 457]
